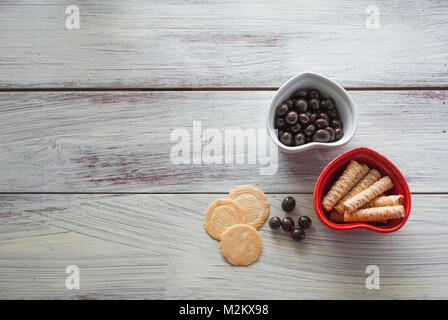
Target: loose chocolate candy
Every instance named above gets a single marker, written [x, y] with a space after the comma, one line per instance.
[287, 224]
[304, 119]
[301, 105]
[286, 138]
[275, 222]
[291, 118]
[314, 104]
[305, 222]
[296, 128]
[299, 139]
[313, 117]
[331, 132]
[314, 94]
[283, 109]
[330, 104]
[288, 204]
[310, 129]
[298, 234]
[325, 116]
[280, 123]
[301, 93]
[338, 133]
[321, 123]
[336, 123]
[333, 113]
[321, 136]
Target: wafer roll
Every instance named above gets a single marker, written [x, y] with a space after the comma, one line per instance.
[384, 201]
[336, 217]
[368, 194]
[352, 174]
[365, 182]
[375, 214]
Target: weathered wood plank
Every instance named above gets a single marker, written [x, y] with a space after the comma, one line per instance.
[154, 246]
[257, 43]
[120, 142]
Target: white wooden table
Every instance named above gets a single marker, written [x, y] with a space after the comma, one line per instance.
[85, 121]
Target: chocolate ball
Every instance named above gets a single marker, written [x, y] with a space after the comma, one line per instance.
[304, 119]
[286, 138]
[298, 234]
[288, 204]
[301, 93]
[310, 129]
[287, 224]
[291, 118]
[283, 109]
[314, 94]
[338, 133]
[301, 105]
[305, 222]
[314, 104]
[295, 128]
[299, 139]
[275, 222]
[321, 123]
[321, 136]
[331, 132]
[280, 123]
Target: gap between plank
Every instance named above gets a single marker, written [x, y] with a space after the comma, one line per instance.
[212, 89]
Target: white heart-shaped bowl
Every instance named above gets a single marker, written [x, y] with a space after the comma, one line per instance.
[328, 88]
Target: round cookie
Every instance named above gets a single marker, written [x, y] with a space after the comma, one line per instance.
[222, 214]
[241, 244]
[254, 202]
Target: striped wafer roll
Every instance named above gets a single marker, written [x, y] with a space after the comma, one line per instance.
[351, 175]
[375, 214]
[362, 185]
[368, 194]
[384, 201]
[336, 217]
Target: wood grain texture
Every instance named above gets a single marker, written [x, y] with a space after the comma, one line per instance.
[155, 246]
[120, 142]
[257, 43]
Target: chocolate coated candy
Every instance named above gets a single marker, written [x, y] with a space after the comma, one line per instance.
[314, 104]
[291, 118]
[286, 138]
[304, 119]
[321, 136]
[298, 234]
[310, 129]
[305, 222]
[296, 128]
[299, 139]
[280, 123]
[275, 222]
[331, 132]
[338, 132]
[288, 204]
[301, 105]
[283, 109]
[321, 123]
[301, 93]
[287, 224]
[314, 94]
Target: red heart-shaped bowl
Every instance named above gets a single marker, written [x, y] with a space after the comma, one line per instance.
[375, 161]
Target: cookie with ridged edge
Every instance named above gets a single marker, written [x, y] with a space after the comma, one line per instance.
[222, 214]
[254, 202]
[241, 244]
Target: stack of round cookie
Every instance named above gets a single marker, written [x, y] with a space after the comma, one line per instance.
[233, 221]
